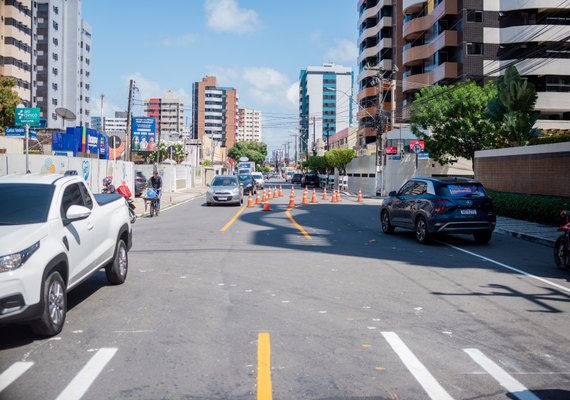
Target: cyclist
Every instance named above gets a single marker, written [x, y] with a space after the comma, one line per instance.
[108, 186]
[155, 182]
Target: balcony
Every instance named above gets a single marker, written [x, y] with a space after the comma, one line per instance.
[413, 6]
[371, 12]
[447, 70]
[368, 92]
[415, 55]
[374, 50]
[417, 26]
[386, 64]
[385, 22]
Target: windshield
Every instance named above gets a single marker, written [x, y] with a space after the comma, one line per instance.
[244, 178]
[462, 190]
[257, 176]
[22, 204]
[224, 181]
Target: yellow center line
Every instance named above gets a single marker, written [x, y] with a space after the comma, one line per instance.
[304, 232]
[226, 226]
[264, 390]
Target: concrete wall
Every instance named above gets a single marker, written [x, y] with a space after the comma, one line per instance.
[362, 176]
[10, 145]
[176, 177]
[541, 169]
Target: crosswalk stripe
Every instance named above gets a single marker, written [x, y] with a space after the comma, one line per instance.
[418, 370]
[83, 380]
[514, 387]
[13, 373]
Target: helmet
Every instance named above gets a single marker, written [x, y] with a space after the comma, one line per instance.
[107, 181]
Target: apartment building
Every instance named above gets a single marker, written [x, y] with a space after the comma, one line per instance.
[62, 75]
[249, 125]
[325, 103]
[168, 112]
[214, 112]
[16, 55]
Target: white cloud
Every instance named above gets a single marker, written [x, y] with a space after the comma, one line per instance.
[345, 51]
[227, 16]
[180, 41]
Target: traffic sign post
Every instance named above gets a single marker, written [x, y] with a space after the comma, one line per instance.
[27, 116]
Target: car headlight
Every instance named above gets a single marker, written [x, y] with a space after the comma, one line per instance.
[16, 260]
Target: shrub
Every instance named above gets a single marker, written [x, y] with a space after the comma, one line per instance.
[541, 209]
[549, 139]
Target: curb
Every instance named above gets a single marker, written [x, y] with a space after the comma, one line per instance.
[173, 204]
[527, 237]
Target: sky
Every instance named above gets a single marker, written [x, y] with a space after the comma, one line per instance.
[258, 47]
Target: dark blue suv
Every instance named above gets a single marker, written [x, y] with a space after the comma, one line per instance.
[440, 205]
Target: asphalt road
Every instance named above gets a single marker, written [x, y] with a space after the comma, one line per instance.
[315, 304]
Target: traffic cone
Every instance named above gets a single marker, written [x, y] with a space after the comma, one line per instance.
[269, 196]
[306, 192]
[263, 196]
[257, 198]
[292, 200]
[280, 191]
[338, 199]
[314, 197]
[359, 200]
[324, 193]
[275, 194]
[250, 200]
[266, 206]
[333, 198]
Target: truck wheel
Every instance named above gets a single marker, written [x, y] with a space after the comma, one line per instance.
[116, 271]
[54, 299]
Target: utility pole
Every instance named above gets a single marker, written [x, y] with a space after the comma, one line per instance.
[101, 128]
[314, 137]
[129, 152]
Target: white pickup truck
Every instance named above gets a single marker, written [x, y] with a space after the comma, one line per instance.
[55, 233]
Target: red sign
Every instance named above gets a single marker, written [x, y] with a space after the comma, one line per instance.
[391, 150]
[417, 142]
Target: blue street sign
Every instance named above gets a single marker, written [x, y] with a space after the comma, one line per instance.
[20, 132]
[423, 155]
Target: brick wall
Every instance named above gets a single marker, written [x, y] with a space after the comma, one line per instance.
[546, 171]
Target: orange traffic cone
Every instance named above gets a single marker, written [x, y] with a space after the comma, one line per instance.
[305, 197]
[257, 198]
[292, 200]
[269, 196]
[266, 206]
[359, 200]
[306, 191]
[263, 196]
[314, 197]
[250, 200]
[324, 193]
[333, 198]
[280, 191]
[338, 196]
[275, 194]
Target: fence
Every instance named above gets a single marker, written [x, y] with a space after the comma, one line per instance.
[177, 177]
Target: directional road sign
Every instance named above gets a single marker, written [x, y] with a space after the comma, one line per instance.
[27, 116]
[19, 132]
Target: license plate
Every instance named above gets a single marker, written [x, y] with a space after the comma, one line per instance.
[468, 212]
[222, 198]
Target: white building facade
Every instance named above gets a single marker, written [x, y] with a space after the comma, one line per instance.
[249, 125]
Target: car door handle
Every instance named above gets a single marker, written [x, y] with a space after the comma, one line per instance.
[89, 226]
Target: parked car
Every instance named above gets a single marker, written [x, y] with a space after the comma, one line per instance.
[430, 206]
[56, 233]
[288, 176]
[310, 179]
[247, 182]
[297, 178]
[259, 181]
[224, 189]
[140, 183]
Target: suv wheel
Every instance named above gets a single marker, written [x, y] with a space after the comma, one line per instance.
[54, 299]
[117, 270]
[387, 227]
[422, 234]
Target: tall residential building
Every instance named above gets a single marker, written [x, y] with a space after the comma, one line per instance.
[249, 125]
[379, 44]
[63, 62]
[214, 112]
[109, 124]
[16, 47]
[168, 111]
[325, 103]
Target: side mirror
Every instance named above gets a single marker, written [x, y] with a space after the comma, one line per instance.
[76, 213]
[207, 184]
[392, 193]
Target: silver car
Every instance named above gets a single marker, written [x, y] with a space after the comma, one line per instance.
[224, 189]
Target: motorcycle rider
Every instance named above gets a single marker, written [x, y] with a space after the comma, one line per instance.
[108, 185]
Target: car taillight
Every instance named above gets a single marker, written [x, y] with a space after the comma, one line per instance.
[440, 206]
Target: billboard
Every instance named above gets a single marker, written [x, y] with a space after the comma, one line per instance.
[144, 134]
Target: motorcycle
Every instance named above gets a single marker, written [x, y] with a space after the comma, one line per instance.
[562, 247]
[124, 191]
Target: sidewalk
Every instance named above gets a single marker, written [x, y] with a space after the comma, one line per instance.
[171, 199]
[531, 231]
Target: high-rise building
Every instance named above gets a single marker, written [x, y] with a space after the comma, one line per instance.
[447, 41]
[16, 48]
[325, 103]
[249, 125]
[109, 124]
[63, 62]
[168, 111]
[214, 112]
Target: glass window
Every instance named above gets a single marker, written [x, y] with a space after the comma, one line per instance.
[419, 188]
[22, 204]
[474, 48]
[71, 197]
[86, 196]
[224, 181]
[406, 190]
[474, 16]
[461, 190]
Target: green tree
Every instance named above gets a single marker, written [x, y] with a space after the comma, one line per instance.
[456, 115]
[8, 101]
[339, 158]
[513, 108]
[206, 163]
[316, 163]
[254, 151]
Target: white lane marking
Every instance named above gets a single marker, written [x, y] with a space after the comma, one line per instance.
[418, 370]
[514, 387]
[83, 380]
[13, 373]
[500, 264]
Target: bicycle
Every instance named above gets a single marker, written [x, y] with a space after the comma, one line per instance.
[562, 246]
[153, 196]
